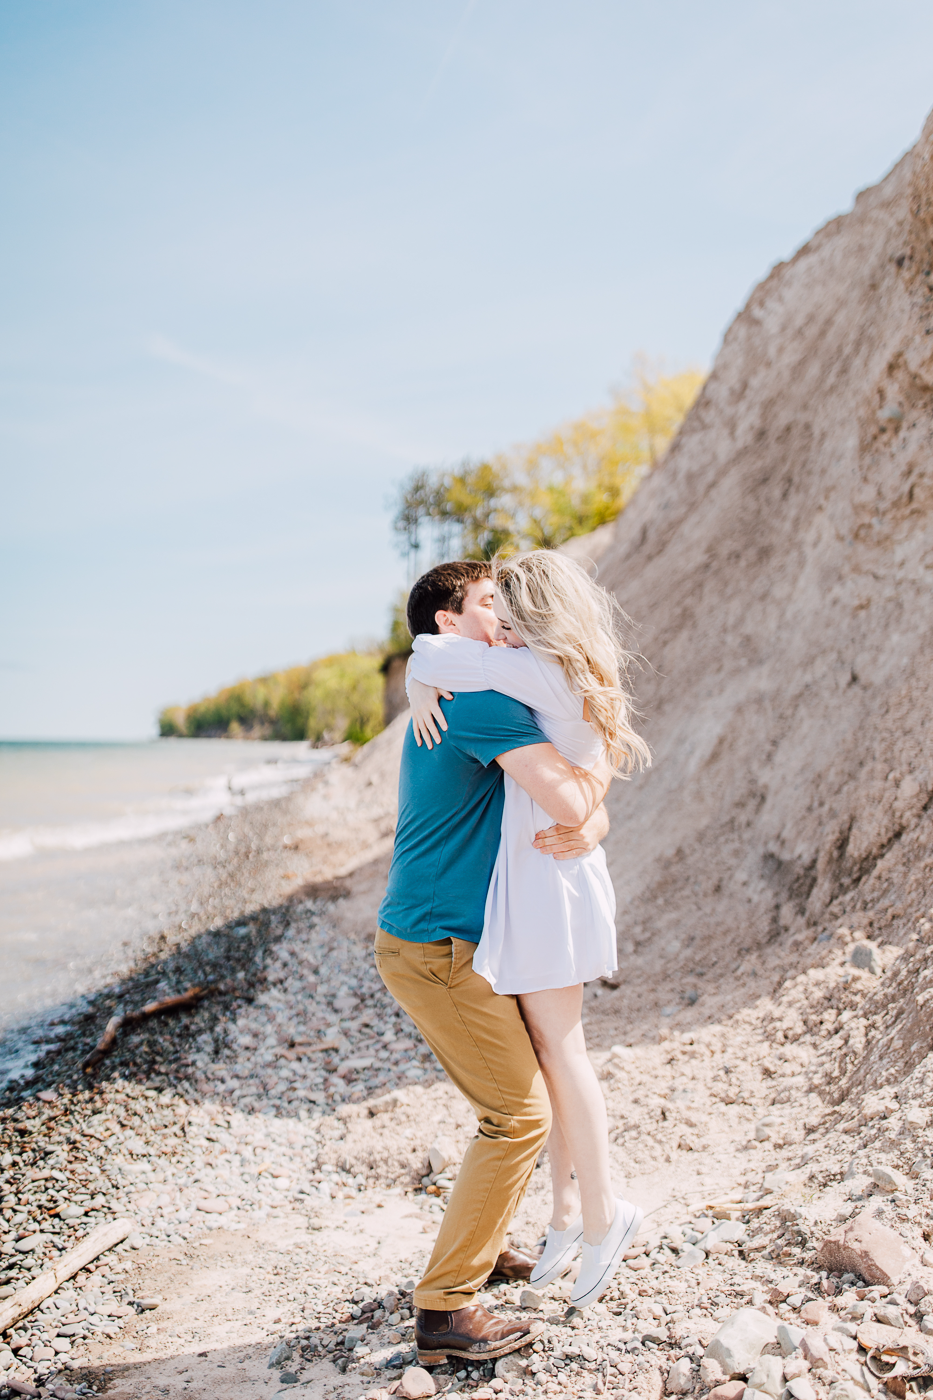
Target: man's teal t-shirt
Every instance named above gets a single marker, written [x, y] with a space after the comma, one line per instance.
[450, 812]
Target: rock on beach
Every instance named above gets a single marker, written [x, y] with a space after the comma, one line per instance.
[768, 1376]
[814, 1349]
[865, 1247]
[416, 1384]
[789, 1338]
[889, 1179]
[728, 1390]
[741, 1339]
[680, 1377]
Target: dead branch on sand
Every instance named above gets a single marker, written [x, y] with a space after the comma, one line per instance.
[97, 1242]
[131, 1018]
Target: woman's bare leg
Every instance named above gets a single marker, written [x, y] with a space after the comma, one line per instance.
[554, 1024]
[565, 1192]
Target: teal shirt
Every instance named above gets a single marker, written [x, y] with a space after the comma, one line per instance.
[450, 813]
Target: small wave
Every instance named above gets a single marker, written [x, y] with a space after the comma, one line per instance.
[224, 793]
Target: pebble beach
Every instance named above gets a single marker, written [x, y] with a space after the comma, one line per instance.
[284, 1149]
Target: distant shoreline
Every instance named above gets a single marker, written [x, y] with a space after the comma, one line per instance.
[74, 920]
[245, 738]
[41, 806]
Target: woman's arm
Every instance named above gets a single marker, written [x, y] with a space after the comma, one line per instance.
[448, 662]
[458, 663]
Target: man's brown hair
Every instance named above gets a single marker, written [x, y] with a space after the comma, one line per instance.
[442, 589]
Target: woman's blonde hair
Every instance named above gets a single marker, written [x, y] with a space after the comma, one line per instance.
[557, 609]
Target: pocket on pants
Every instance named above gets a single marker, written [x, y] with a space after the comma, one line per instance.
[386, 957]
[438, 959]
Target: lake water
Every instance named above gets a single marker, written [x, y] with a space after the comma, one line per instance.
[71, 797]
[84, 855]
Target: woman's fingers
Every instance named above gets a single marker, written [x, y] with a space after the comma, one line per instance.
[431, 719]
[420, 731]
[430, 725]
[427, 717]
[438, 714]
[435, 720]
[424, 726]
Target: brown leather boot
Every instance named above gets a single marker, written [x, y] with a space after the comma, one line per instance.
[473, 1333]
[513, 1264]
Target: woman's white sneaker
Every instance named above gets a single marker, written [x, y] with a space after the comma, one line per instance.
[601, 1261]
[560, 1246]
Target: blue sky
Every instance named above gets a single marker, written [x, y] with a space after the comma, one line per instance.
[260, 260]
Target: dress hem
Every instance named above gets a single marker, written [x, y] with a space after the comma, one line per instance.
[549, 987]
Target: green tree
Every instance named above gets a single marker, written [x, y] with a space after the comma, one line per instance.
[344, 699]
[542, 493]
[335, 698]
[416, 504]
[172, 722]
[398, 642]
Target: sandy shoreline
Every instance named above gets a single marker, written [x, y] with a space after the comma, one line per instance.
[85, 906]
[108, 910]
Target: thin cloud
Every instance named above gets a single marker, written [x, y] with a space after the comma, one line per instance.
[448, 54]
[302, 416]
[161, 348]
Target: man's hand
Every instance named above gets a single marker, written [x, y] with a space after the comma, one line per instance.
[569, 842]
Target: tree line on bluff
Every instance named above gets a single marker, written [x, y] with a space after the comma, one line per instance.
[537, 496]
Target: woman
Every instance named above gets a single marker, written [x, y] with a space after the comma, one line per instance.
[549, 925]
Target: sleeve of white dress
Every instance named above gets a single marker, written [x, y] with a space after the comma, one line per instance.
[457, 663]
[449, 663]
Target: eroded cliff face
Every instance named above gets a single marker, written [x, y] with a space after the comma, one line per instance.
[780, 567]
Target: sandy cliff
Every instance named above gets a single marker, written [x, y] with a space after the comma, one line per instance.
[780, 567]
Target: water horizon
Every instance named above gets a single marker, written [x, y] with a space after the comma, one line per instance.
[58, 794]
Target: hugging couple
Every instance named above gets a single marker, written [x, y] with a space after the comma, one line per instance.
[499, 907]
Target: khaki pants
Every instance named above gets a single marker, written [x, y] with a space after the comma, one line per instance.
[481, 1040]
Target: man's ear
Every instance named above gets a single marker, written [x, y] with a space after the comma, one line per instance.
[445, 621]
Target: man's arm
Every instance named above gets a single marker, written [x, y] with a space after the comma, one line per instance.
[569, 842]
[569, 795]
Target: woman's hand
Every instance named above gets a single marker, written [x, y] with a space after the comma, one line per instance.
[426, 714]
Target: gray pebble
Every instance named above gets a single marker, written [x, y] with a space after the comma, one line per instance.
[865, 956]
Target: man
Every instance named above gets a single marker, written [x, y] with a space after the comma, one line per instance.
[450, 810]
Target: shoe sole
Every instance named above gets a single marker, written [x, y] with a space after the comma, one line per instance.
[565, 1259]
[611, 1268]
[490, 1353]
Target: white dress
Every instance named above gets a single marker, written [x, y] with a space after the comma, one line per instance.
[548, 923]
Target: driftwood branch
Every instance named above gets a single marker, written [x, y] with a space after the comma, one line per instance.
[131, 1018]
[97, 1242]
